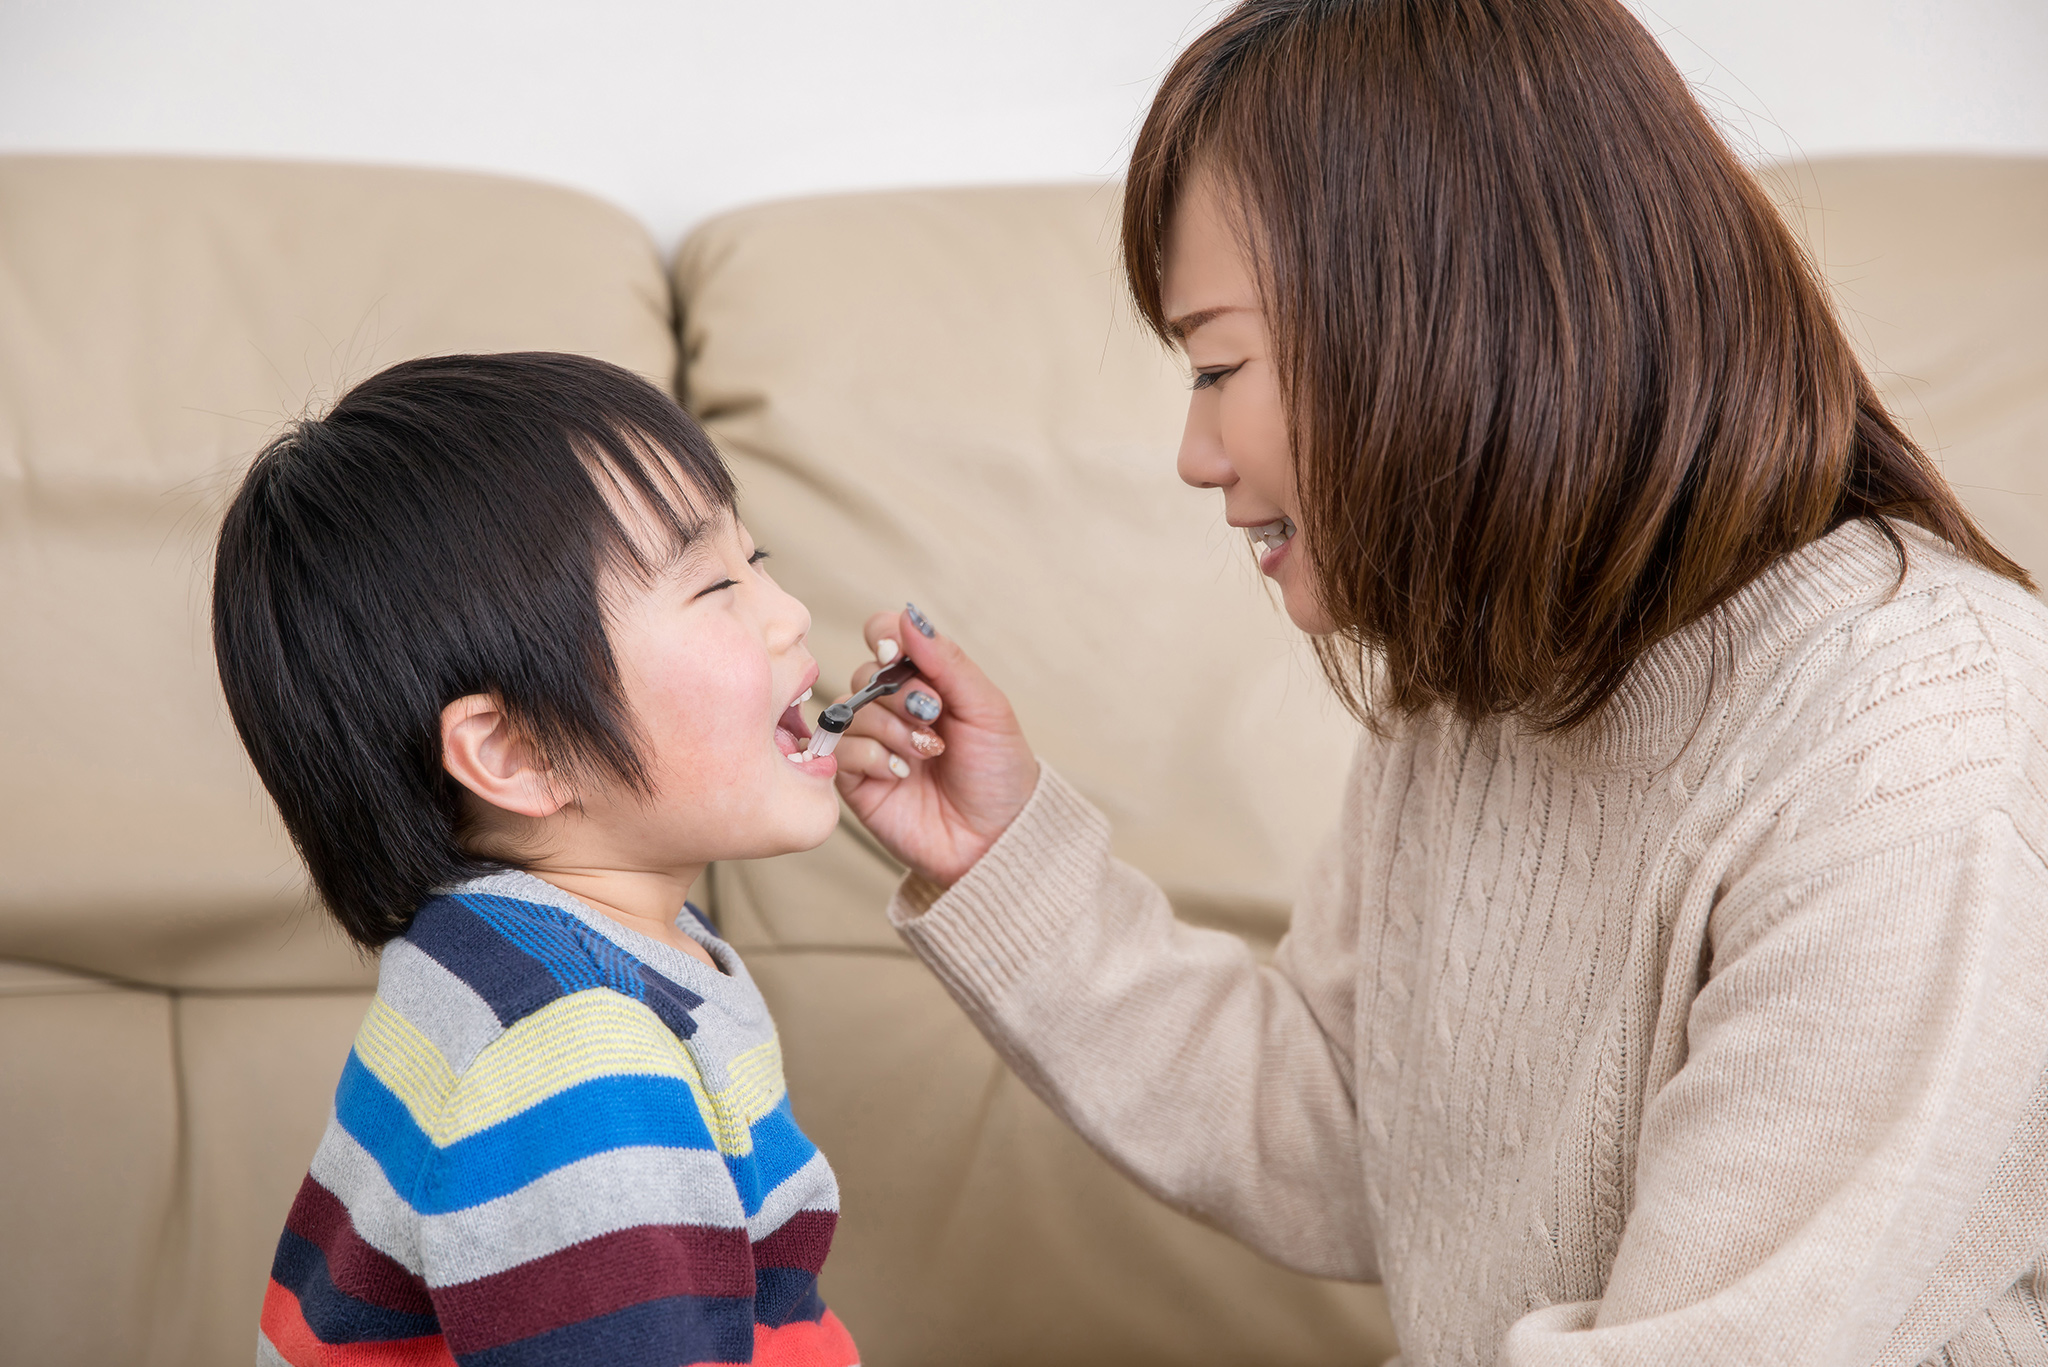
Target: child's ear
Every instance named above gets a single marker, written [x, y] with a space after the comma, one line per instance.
[486, 754]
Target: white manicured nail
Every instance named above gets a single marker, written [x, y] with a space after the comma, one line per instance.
[887, 650]
[898, 767]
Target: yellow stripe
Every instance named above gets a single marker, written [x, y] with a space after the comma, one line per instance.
[590, 1034]
[753, 1083]
[406, 1061]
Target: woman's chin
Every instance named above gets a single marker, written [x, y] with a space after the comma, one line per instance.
[1303, 609]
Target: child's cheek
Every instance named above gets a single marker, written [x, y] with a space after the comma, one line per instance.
[706, 721]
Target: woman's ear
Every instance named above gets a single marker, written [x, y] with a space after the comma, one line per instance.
[485, 753]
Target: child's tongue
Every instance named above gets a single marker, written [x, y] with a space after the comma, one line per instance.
[791, 735]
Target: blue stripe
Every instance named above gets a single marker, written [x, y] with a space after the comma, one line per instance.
[332, 1314]
[780, 1148]
[783, 1295]
[663, 1333]
[511, 983]
[628, 1111]
[578, 957]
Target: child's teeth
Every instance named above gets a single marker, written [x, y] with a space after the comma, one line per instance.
[805, 697]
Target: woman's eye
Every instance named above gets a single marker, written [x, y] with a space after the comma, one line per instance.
[758, 556]
[1204, 378]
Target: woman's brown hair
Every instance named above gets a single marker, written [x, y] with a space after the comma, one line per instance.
[1559, 379]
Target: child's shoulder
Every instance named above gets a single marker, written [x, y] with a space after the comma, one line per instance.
[480, 966]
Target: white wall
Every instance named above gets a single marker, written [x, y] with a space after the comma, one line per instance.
[678, 108]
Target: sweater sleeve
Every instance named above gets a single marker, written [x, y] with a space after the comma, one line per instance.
[574, 1203]
[1221, 1086]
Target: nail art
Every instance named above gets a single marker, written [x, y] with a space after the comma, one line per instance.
[887, 650]
[923, 706]
[919, 620]
[898, 767]
[927, 743]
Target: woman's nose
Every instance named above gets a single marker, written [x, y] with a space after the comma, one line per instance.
[1202, 461]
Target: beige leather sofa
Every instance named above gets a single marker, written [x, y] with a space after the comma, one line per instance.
[933, 395]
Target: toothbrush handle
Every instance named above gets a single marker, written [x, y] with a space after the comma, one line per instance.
[883, 684]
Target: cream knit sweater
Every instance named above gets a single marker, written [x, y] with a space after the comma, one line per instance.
[1715, 1032]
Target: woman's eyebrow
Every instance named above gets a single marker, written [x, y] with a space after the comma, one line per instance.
[1179, 328]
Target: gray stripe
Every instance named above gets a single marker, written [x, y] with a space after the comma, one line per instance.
[606, 1192]
[380, 1215]
[810, 1187]
[437, 1003]
[266, 1354]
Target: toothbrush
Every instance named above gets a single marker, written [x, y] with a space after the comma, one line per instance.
[834, 720]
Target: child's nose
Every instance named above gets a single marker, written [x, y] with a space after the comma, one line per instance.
[789, 621]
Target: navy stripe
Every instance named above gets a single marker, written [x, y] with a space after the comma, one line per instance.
[670, 1001]
[628, 1110]
[663, 1333]
[783, 1295]
[511, 983]
[332, 1314]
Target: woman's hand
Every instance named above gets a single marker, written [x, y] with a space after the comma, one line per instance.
[937, 812]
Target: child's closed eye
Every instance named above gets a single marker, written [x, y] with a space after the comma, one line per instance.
[756, 558]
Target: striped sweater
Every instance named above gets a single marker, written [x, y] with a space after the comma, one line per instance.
[557, 1141]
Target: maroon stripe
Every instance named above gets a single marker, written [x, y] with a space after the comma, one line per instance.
[595, 1278]
[356, 1268]
[802, 1241]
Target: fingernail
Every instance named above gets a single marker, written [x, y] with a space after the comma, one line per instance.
[923, 706]
[887, 650]
[927, 743]
[918, 620]
[898, 767]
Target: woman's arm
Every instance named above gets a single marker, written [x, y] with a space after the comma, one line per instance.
[1220, 1086]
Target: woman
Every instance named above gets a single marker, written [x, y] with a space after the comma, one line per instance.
[1672, 988]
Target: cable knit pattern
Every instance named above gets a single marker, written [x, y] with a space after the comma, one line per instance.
[1714, 1031]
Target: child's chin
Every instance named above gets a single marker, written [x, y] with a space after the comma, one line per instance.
[811, 819]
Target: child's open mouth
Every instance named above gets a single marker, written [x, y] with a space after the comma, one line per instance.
[791, 732]
[793, 736]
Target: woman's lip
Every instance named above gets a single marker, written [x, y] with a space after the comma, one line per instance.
[1270, 561]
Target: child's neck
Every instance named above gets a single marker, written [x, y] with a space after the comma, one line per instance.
[644, 900]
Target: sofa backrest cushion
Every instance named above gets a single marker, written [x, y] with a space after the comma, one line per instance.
[158, 320]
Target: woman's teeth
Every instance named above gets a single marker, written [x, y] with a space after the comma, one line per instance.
[1268, 535]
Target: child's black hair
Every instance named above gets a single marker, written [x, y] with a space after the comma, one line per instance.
[445, 530]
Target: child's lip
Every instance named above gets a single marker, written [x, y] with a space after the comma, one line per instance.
[817, 766]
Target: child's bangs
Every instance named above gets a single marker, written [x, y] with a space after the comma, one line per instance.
[657, 499]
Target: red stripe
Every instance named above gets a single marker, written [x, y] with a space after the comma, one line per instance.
[288, 1332]
[801, 1241]
[355, 1267]
[806, 1343]
[595, 1278]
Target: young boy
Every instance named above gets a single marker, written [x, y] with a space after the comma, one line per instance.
[513, 673]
